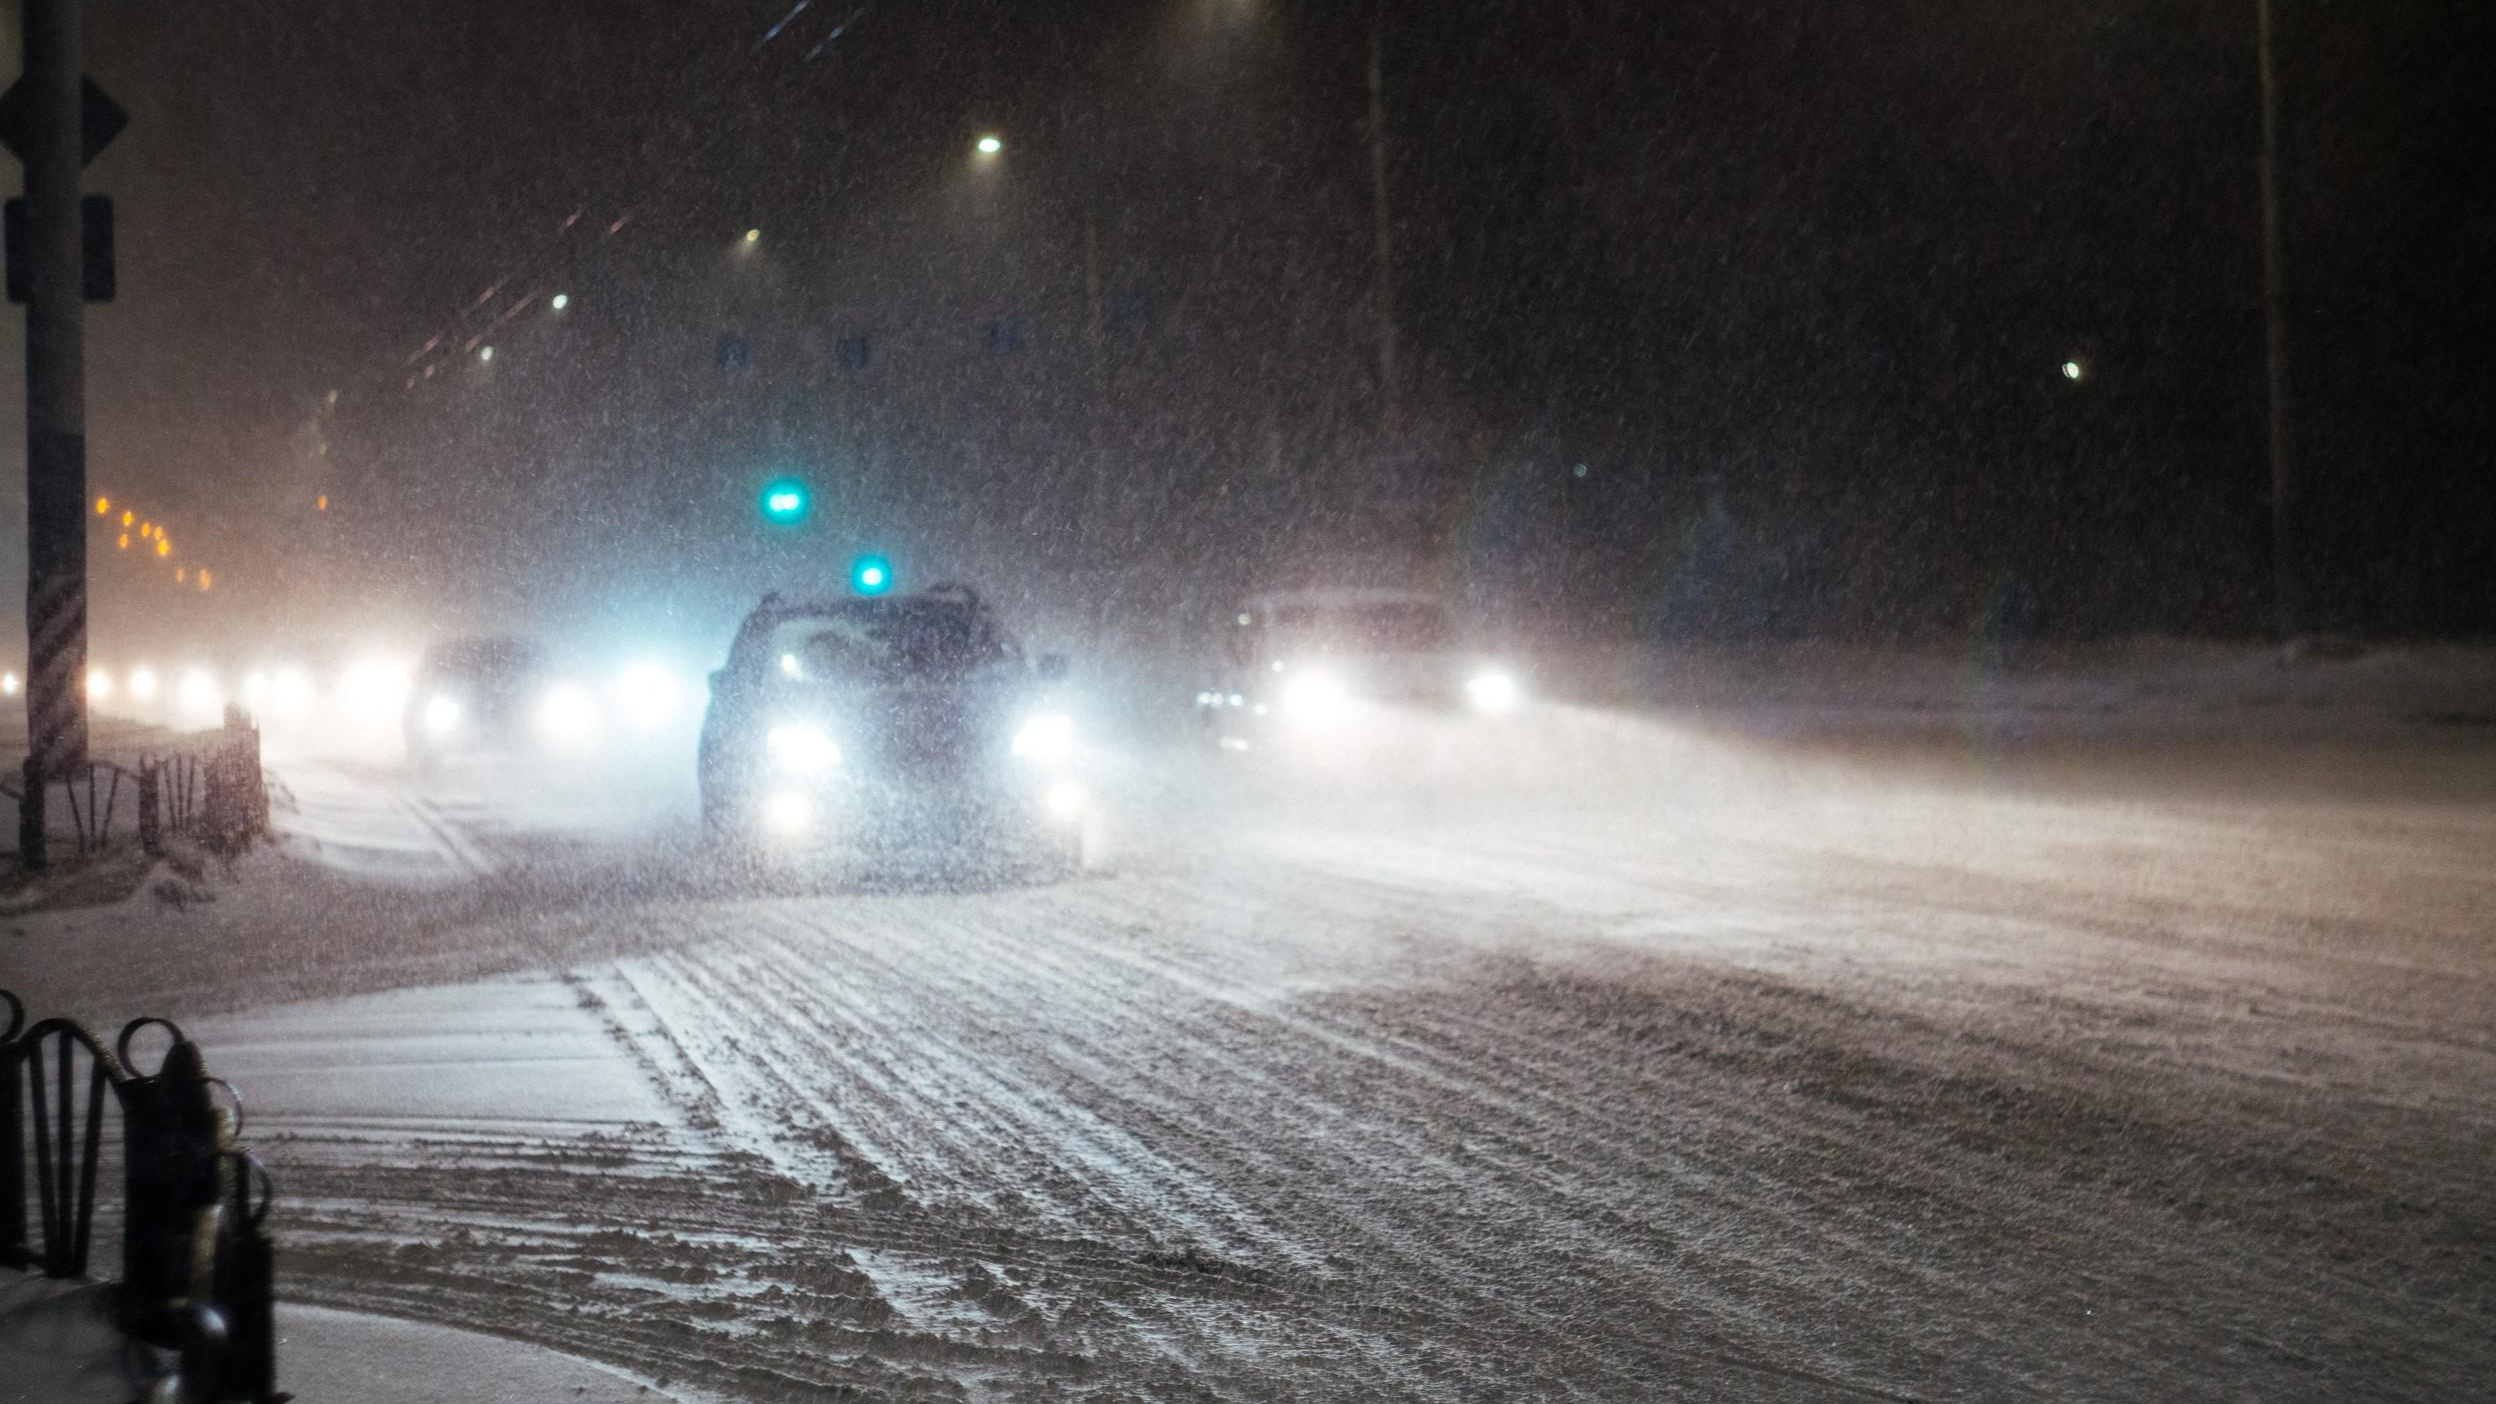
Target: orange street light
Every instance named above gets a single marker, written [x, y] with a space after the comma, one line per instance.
[125, 541]
[126, 518]
[203, 577]
[163, 547]
[103, 505]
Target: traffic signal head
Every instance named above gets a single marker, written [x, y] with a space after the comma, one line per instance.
[784, 502]
[871, 575]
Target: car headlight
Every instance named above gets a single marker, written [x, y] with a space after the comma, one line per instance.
[1315, 697]
[802, 748]
[374, 688]
[567, 716]
[1492, 691]
[1048, 739]
[442, 715]
[199, 691]
[290, 692]
[646, 695]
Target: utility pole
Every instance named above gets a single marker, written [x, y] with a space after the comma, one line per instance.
[1390, 388]
[52, 123]
[2286, 588]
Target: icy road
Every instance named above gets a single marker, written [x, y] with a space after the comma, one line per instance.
[1628, 1058]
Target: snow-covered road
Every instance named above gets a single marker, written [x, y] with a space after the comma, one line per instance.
[1615, 1059]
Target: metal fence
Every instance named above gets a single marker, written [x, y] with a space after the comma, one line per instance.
[218, 795]
[197, 1278]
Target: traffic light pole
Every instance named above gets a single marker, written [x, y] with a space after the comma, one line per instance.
[56, 410]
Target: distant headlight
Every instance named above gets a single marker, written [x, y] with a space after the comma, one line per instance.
[801, 748]
[199, 691]
[646, 695]
[1315, 697]
[567, 716]
[442, 715]
[1048, 739]
[374, 688]
[290, 692]
[1493, 692]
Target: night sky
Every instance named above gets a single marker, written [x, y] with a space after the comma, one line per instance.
[1794, 283]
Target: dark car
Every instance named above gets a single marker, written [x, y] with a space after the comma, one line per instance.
[471, 696]
[897, 726]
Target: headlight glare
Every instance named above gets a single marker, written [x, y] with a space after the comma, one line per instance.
[567, 716]
[1048, 739]
[1492, 691]
[442, 715]
[802, 748]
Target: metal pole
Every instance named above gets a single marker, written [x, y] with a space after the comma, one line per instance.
[1390, 389]
[56, 407]
[2287, 596]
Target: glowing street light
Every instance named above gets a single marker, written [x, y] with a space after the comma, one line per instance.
[560, 301]
[103, 505]
[126, 518]
[753, 236]
[2073, 370]
[485, 353]
[124, 543]
[989, 144]
[163, 546]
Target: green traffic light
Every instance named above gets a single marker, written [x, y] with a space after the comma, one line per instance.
[871, 575]
[784, 502]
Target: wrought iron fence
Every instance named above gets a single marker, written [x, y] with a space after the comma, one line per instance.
[219, 795]
[197, 1276]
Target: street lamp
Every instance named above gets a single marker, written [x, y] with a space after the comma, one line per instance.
[989, 144]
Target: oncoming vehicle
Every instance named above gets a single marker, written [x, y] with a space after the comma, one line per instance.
[1303, 656]
[475, 696]
[907, 725]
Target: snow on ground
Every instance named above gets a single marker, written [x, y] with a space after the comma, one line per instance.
[1599, 1055]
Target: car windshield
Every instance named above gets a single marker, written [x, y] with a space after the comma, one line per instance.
[884, 641]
